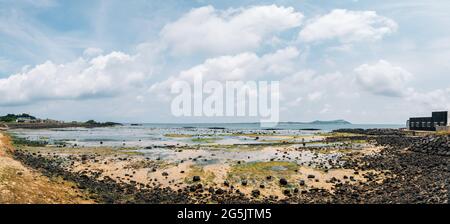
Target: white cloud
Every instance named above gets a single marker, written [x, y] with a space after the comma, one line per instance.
[311, 95]
[313, 87]
[104, 75]
[326, 109]
[348, 26]
[314, 96]
[243, 66]
[438, 99]
[207, 30]
[382, 78]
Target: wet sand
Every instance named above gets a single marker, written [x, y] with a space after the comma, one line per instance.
[328, 172]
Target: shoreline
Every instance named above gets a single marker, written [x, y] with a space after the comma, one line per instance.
[394, 170]
[20, 184]
[11, 126]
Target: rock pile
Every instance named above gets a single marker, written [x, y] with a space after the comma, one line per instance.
[346, 138]
[375, 131]
[399, 142]
[432, 144]
[104, 190]
[408, 169]
[435, 145]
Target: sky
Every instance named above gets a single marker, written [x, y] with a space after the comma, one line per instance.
[112, 60]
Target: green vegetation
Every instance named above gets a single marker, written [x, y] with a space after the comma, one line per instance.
[206, 176]
[92, 123]
[14, 117]
[339, 134]
[262, 169]
[18, 141]
[205, 140]
[443, 133]
[142, 164]
[178, 136]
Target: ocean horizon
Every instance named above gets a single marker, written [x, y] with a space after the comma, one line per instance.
[257, 125]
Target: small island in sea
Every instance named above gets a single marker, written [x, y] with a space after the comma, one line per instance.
[27, 121]
[331, 122]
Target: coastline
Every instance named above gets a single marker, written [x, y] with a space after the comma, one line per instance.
[55, 125]
[20, 184]
[386, 171]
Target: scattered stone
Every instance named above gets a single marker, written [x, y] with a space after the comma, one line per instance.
[256, 193]
[283, 182]
[219, 191]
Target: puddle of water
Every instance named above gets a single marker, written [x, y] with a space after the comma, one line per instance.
[142, 136]
[278, 168]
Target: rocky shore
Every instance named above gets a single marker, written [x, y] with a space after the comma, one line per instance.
[435, 145]
[57, 125]
[400, 169]
[20, 184]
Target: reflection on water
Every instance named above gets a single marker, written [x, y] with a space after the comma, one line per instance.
[143, 136]
[199, 143]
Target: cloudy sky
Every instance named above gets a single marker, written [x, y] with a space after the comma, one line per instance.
[363, 61]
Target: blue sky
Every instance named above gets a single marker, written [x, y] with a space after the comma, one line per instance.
[364, 61]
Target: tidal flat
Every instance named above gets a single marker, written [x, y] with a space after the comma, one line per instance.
[236, 166]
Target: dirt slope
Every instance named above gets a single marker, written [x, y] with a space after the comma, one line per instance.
[22, 185]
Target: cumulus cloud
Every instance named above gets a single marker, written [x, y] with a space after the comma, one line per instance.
[314, 96]
[311, 95]
[101, 76]
[243, 66]
[438, 99]
[383, 78]
[207, 30]
[313, 87]
[347, 26]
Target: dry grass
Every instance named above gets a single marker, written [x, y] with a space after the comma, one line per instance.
[178, 135]
[443, 133]
[22, 185]
[206, 176]
[259, 170]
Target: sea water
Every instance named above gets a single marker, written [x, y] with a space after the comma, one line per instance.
[144, 135]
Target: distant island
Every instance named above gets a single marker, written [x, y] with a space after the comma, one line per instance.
[31, 122]
[28, 121]
[16, 118]
[340, 121]
[330, 122]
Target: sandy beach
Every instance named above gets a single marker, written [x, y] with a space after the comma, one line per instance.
[349, 168]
